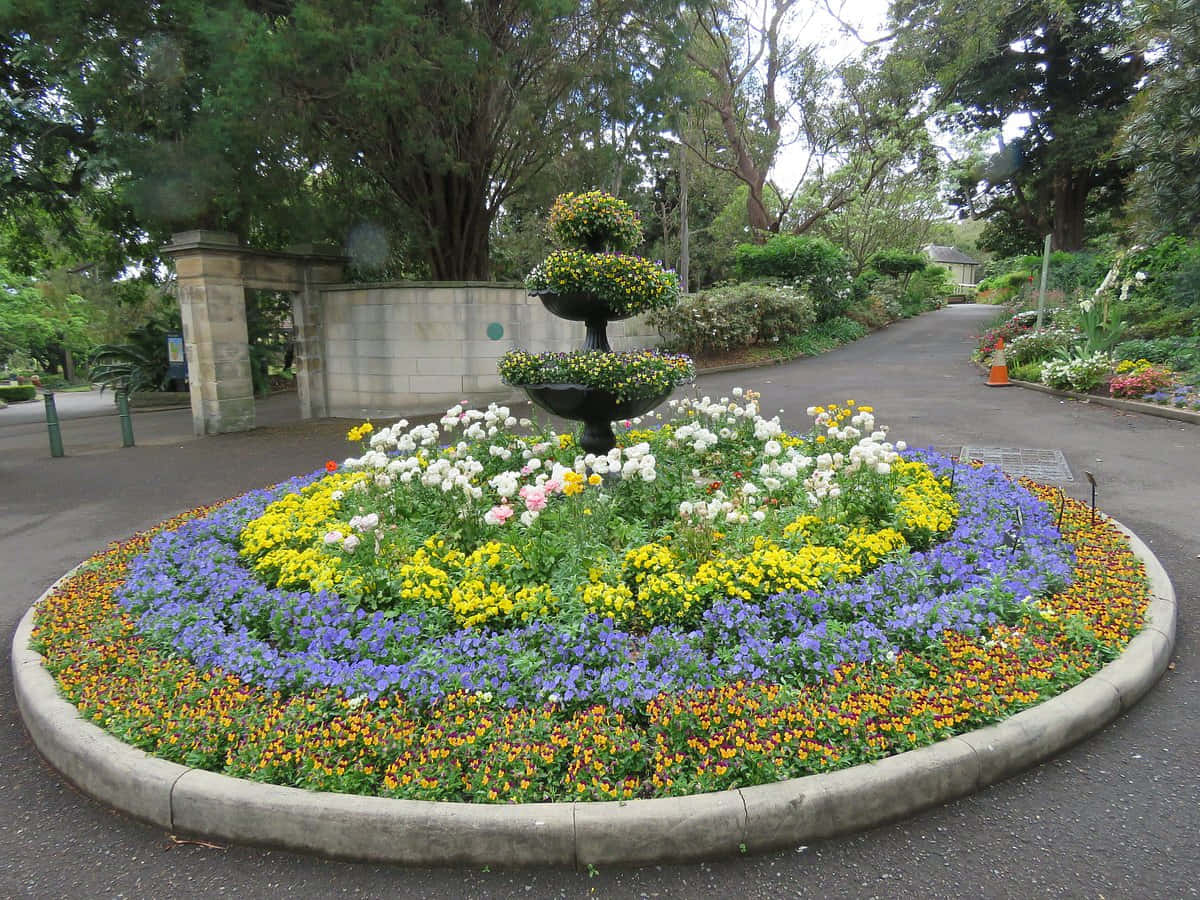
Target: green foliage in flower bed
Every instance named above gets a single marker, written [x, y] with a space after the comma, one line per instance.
[620, 285]
[1180, 353]
[1036, 346]
[1160, 289]
[594, 220]
[14, 393]
[1031, 371]
[734, 316]
[825, 336]
[640, 373]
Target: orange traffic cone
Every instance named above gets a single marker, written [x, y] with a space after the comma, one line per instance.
[999, 374]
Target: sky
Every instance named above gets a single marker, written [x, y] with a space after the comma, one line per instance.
[868, 18]
[817, 26]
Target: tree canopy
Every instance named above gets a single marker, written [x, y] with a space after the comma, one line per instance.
[1061, 65]
[1161, 140]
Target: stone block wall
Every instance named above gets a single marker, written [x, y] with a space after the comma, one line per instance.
[416, 348]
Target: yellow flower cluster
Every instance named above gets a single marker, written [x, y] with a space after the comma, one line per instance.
[475, 587]
[572, 483]
[654, 584]
[359, 431]
[926, 507]
[284, 544]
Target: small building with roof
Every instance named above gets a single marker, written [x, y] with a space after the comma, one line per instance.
[964, 271]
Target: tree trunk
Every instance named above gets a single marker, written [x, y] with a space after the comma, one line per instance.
[459, 221]
[756, 208]
[1070, 204]
[684, 251]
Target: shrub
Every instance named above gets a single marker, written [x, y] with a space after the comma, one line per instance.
[141, 364]
[1007, 329]
[1027, 372]
[1181, 354]
[54, 382]
[1160, 289]
[896, 263]
[1069, 273]
[926, 290]
[1003, 287]
[872, 312]
[1035, 346]
[13, 393]
[734, 316]
[1078, 374]
[812, 263]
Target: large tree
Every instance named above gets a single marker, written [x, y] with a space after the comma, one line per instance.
[1162, 137]
[1058, 64]
[756, 89]
[280, 119]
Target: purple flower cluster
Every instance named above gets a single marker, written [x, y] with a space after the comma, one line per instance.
[195, 597]
[1181, 396]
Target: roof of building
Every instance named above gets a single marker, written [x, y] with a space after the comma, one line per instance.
[949, 255]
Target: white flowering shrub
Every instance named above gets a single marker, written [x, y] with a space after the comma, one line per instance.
[1079, 374]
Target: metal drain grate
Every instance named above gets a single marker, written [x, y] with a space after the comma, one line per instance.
[1040, 465]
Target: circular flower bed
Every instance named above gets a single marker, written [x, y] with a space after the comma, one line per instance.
[716, 603]
[640, 373]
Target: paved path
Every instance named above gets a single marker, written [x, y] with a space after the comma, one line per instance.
[1117, 816]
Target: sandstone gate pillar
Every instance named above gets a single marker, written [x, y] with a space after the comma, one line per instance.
[213, 273]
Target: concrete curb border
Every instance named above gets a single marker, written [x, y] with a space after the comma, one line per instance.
[1149, 409]
[1138, 406]
[218, 807]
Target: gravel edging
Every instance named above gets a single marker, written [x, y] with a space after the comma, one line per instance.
[217, 807]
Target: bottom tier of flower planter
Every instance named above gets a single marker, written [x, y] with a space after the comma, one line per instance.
[597, 409]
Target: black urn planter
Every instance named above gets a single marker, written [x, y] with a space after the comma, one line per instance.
[595, 407]
[577, 306]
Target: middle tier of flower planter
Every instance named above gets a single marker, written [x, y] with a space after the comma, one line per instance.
[596, 408]
[579, 306]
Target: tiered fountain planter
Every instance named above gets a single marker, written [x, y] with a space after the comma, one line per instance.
[596, 284]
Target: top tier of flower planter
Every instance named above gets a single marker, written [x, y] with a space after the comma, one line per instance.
[594, 221]
[594, 279]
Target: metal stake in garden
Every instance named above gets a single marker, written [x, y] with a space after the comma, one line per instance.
[1092, 481]
[52, 426]
[126, 421]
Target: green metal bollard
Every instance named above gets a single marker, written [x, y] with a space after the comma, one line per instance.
[52, 426]
[126, 421]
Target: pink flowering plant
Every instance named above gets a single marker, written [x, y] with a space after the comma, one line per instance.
[1138, 381]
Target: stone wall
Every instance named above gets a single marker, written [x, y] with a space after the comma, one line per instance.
[416, 347]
